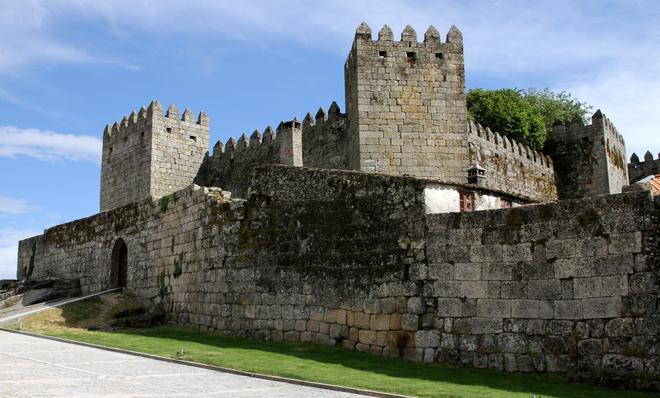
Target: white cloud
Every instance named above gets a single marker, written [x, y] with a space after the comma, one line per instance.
[595, 50]
[48, 145]
[15, 206]
[9, 250]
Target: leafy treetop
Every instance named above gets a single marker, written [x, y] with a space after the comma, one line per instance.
[525, 115]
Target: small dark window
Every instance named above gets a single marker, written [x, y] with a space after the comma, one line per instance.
[466, 200]
[192, 137]
[142, 134]
[411, 55]
[168, 129]
[439, 56]
[110, 151]
[382, 54]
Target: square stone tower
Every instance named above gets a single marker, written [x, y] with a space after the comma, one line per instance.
[406, 106]
[589, 160]
[150, 154]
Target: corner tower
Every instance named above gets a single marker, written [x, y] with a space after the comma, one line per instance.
[150, 154]
[406, 104]
[589, 160]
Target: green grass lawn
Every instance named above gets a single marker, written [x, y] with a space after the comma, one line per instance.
[337, 366]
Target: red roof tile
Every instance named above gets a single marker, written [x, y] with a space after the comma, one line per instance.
[655, 185]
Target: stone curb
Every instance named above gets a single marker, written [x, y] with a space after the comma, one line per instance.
[330, 387]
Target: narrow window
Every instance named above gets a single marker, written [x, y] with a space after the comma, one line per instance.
[439, 56]
[169, 129]
[412, 56]
[466, 200]
[192, 137]
[382, 54]
[110, 151]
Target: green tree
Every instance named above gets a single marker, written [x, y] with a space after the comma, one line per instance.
[557, 106]
[508, 112]
[525, 115]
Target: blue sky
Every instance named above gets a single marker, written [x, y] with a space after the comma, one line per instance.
[68, 67]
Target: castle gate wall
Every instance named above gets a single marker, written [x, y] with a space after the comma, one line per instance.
[350, 259]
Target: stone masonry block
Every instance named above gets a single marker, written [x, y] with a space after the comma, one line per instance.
[615, 286]
[440, 271]
[467, 271]
[494, 308]
[616, 264]
[498, 271]
[486, 253]
[427, 338]
[380, 322]
[544, 289]
[568, 309]
[625, 243]
[449, 307]
[587, 287]
[524, 308]
[409, 322]
[367, 337]
[604, 307]
[485, 325]
[472, 289]
[519, 252]
[361, 320]
[574, 267]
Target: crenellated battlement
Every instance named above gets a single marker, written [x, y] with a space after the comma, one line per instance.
[229, 166]
[638, 170]
[509, 165]
[325, 139]
[577, 129]
[408, 38]
[504, 145]
[136, 121]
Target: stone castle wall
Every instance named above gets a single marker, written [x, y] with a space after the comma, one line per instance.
[511, 166]
[588, 160]
[351, 259]
[638, 170]
[231, 167]
[148, 154]
[325, 143]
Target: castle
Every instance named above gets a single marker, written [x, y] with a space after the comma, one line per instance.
[399, 227]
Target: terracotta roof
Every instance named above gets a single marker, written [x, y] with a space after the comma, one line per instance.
[655, 185]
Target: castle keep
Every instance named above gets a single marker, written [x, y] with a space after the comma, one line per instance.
[399, 227]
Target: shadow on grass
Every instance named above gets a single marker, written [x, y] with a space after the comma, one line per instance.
[401, 371]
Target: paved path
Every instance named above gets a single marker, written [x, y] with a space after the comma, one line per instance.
[34, 367]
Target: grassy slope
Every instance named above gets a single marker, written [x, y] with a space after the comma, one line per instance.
[308, 362]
